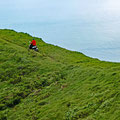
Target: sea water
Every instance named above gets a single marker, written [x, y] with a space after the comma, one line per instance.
[91, 27]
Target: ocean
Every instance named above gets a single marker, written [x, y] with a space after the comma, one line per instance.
[92, 28]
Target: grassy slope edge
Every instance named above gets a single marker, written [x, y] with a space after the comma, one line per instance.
[54, 83]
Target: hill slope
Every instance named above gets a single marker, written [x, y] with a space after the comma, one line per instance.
[54, 83]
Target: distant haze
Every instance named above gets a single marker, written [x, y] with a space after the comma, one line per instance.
[88, 26]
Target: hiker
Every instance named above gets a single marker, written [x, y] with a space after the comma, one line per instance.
[33, 45]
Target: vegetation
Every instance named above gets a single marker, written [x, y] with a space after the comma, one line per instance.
[54, 83]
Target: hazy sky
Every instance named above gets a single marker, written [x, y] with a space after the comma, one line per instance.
[44, 10]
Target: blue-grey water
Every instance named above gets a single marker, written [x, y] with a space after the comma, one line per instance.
[88, 26]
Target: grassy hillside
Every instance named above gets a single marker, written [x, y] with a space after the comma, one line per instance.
[54, 83]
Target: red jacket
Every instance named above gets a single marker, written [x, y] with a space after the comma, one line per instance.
[33, 42]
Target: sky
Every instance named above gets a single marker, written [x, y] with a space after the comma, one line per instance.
[37, 9]
[44, 10]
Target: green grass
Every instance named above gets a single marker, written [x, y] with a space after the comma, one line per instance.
[54, 83]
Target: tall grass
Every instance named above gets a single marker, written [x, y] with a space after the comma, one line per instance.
[54, 83]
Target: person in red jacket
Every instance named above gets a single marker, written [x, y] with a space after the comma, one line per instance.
[33, 43]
